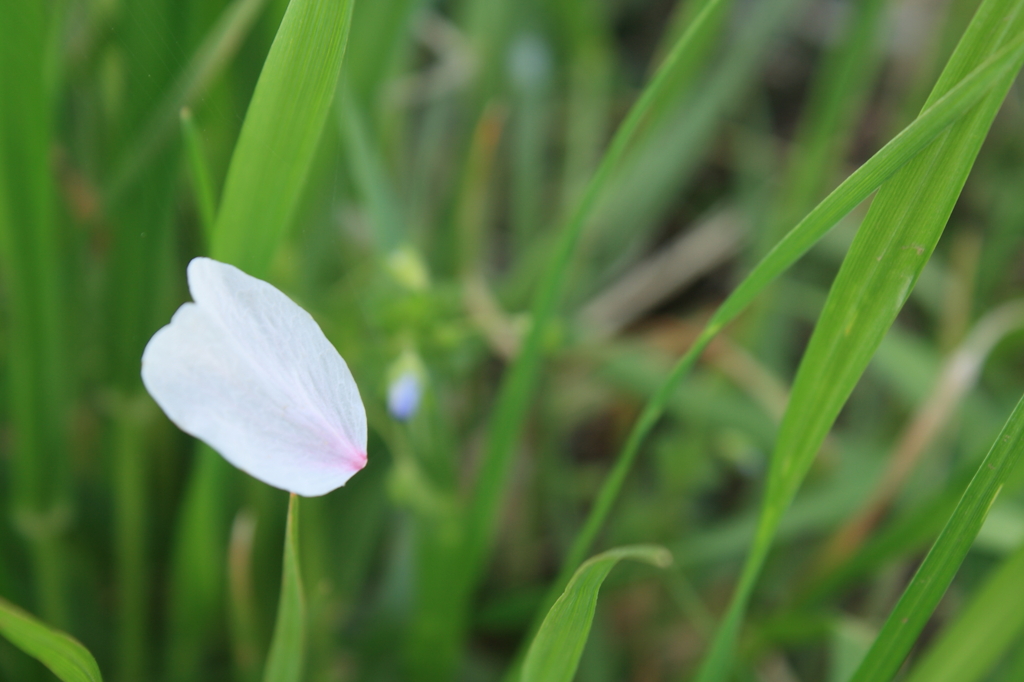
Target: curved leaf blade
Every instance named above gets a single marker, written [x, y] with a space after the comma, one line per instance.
[855, 189]
[268, 168]
[287, 648]
[280, 133]
[61, 653]
[968, 649]
[939, 567]
[887, 256]
[556, 650]
[520, 379]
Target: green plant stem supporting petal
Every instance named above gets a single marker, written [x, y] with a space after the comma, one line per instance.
[288, 645]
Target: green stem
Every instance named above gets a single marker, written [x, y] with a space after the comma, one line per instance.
[199, 173]
[130, 518]
[287, 648]
[518, 386]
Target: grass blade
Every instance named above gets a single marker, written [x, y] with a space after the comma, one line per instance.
[679, 137]
[270, 162]
[855, 189]
[993, 620]
[530, 74]
[210, 59]
[939, 567]
[837, 96]
[31, 247]
[894, 242]
[588, 97]
[195, 612]
[285, 119]
[287, 648]
[819, 221]
[64, 655]
[370, 174]
[199, 172]
[517, 386]
[556, 650]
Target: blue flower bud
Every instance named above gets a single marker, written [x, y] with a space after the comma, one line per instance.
[404, 395]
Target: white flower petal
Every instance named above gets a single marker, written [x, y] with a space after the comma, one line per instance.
[250, 373]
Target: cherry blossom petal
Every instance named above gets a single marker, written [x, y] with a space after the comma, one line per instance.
[250, 373]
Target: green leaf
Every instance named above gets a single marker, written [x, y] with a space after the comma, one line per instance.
[556, 650]
[32, 267]
[855, 189]
[370, 175]
[891, 248]
[992, 621]
[516, 392]
[794, 245]
[61, 653]
[287, 648]
[280, 133]
[268, 167]
[198, 565]
[209, 61]
[939, 567]
[199, 173]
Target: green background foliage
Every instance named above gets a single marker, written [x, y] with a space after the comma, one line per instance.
[718, 276]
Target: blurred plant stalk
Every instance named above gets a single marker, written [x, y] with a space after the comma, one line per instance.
[40, 379]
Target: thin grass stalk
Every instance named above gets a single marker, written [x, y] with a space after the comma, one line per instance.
[31, 247]
[837, 96]
[210, 59]
[517, 387]
[968, 648]
[131, 537]
[588, 100]
[286, 657]
[936, 572]
[795, 244]
[883, 263]
[199, 173]
[369, 172]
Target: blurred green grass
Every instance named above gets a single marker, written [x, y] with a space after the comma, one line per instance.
[414, 204]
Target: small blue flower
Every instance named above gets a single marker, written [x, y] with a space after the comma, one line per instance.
[404, 395]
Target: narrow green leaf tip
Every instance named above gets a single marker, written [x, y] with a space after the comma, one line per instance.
[62, 654]
[555, 652]
[939, 567]
[284, 122]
